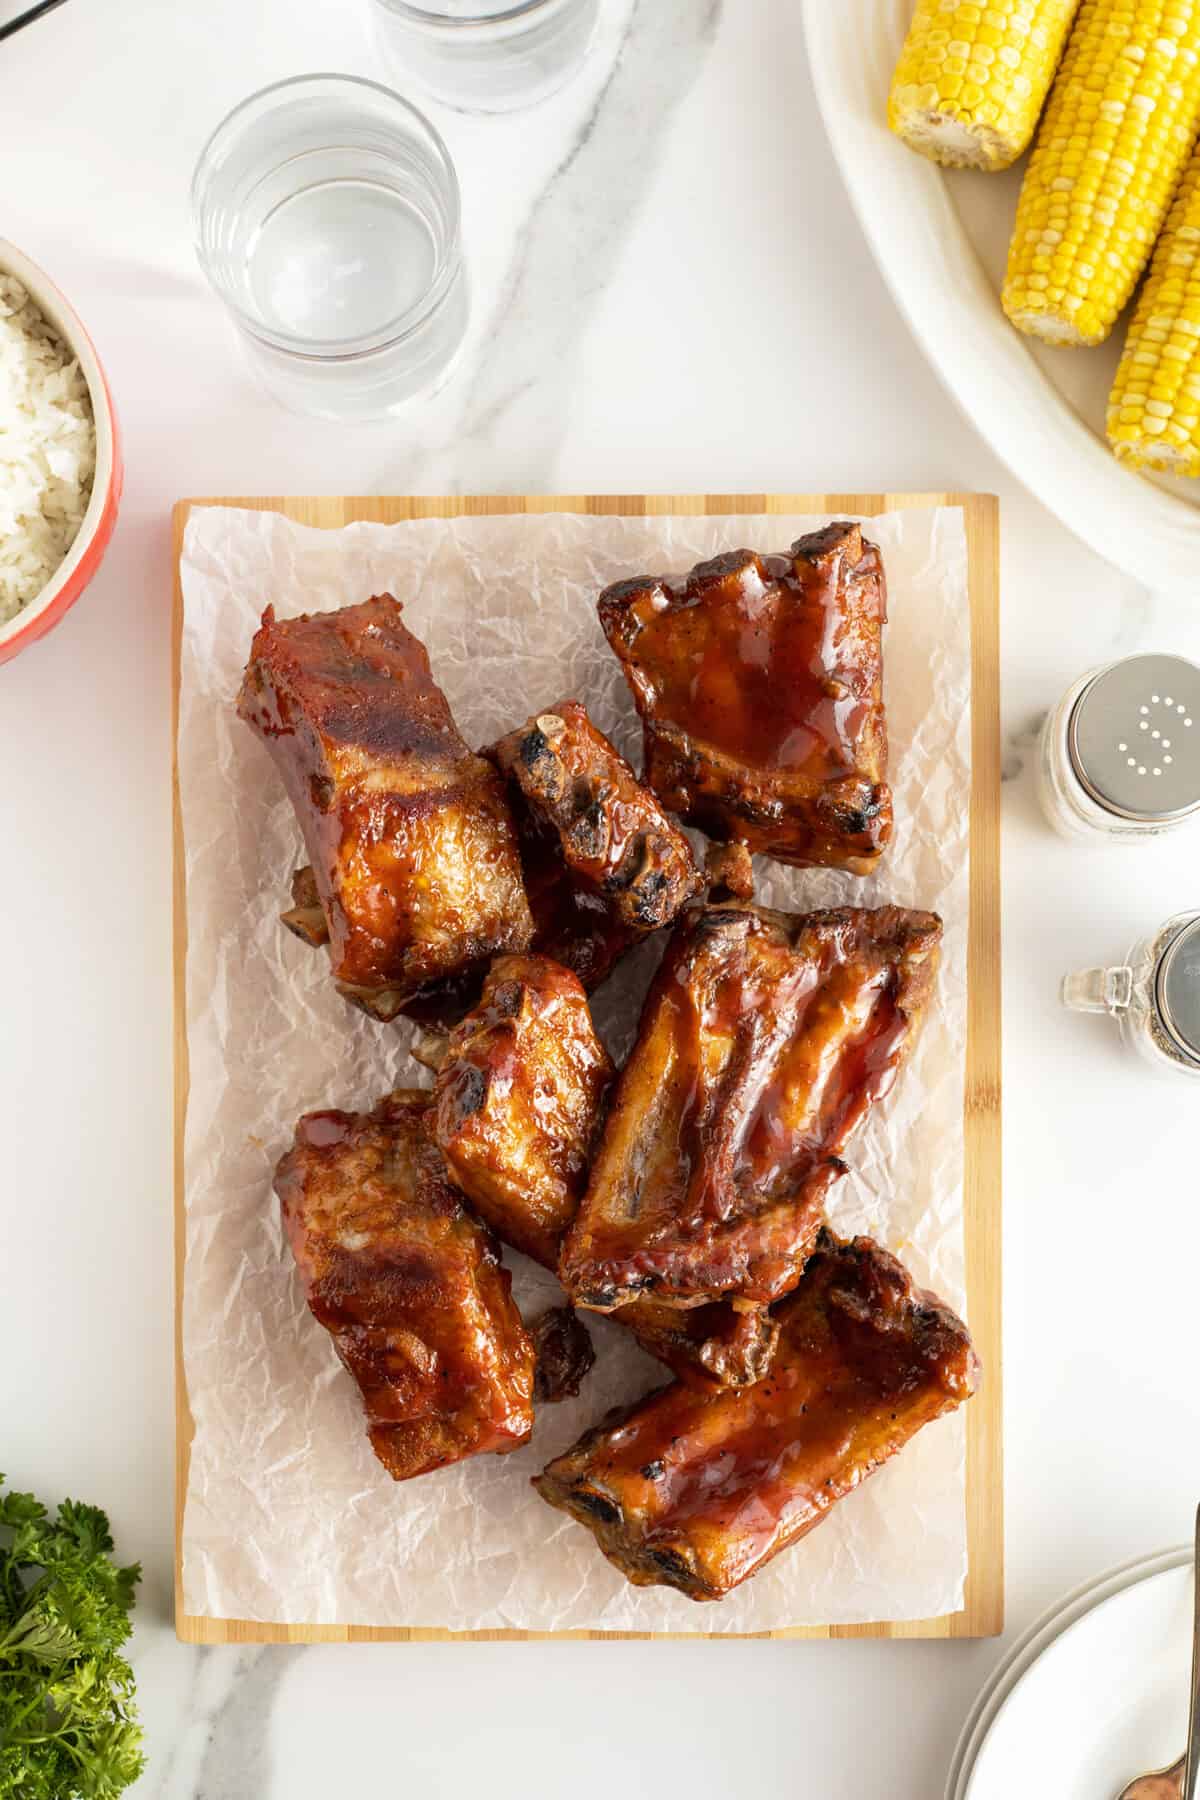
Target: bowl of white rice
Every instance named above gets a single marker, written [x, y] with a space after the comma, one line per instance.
[60, 462]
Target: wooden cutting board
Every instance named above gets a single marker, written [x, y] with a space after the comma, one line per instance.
[983, 1611]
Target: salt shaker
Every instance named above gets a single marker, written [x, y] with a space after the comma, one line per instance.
[1120, 755]
[1154, 997]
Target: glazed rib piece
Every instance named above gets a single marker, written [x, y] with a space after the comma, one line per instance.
[603, 863]
[706, 1346]
[564, 1354]
[728, 873]
[437, 1005]
[615, 838]
[414, 859]
[763, 1041]
[518, 1099]
[517, 1106]
[759, 680]
[699, 1491]
[409, 1286]
[571, 924]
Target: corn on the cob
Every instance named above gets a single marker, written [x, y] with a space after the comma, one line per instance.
[1116, 135]
[1154, 412]
[972, 79]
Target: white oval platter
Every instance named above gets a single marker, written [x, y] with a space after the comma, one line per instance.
[940, 241]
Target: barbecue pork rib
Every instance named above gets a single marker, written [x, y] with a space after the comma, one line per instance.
[518, 1099]
[706, 1346]
[409, 1285]
[413, 853]
[699, 1491]
[759, 680]
[565, 1354]
[517, 1105]
[764, 1040]
[615, 838]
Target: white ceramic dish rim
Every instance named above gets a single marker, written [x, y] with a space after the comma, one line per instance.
[73, 332]
[926, 259]
[1057, 1618]
[1055, 1645]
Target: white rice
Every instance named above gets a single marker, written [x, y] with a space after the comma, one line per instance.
[47, 449]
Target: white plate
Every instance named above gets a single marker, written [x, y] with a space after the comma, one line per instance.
[1105, 1701]
[1038, 1638]
[1042, 410]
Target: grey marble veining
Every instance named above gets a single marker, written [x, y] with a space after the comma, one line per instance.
[236, 1760]
[219, 1741]
[511, 419]
[1139, 615]
[214, 1677]
[1020, 744]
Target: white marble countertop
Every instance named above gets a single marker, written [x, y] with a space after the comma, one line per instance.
[671, 294]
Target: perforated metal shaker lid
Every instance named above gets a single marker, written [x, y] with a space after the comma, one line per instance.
[1177, 990]
[1134, 738]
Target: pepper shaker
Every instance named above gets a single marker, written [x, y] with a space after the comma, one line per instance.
[1120, 754]
[1154, 997]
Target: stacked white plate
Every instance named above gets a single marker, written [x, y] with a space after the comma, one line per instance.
[1095, 1693]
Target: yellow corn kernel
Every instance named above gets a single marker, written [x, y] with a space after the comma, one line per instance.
[1154, 409]
[1115, 137]
[971, 80]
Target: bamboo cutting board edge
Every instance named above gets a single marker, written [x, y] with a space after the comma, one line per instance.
[982, 1614]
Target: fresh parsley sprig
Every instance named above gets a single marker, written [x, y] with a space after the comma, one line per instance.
[68, 1728]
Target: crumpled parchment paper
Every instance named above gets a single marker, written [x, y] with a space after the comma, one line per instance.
[289, 1517]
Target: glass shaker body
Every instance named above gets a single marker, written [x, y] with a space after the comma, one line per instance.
[1154, 996]
[1119, 759]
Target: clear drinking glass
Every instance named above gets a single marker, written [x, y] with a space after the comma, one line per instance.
[486, 55]
[326, 214]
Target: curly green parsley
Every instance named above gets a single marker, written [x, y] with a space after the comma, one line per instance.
[68, 1729]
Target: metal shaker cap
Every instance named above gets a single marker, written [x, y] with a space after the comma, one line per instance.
[1177, 991]
[1134, 738]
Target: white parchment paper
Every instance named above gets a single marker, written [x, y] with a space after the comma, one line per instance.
[288, 1516]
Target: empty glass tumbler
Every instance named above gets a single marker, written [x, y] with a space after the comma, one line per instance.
[486, 55]
[326, 213]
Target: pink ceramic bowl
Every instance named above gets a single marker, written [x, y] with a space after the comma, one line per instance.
[82, 560]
